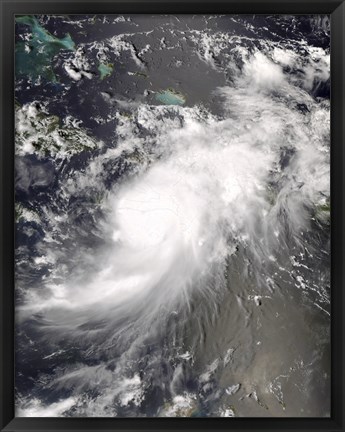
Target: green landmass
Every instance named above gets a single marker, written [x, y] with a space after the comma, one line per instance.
[22, 213]
[141, 74]
[324, 207]
[323, 211]
[46, 135]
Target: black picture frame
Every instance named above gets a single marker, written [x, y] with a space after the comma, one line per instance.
[8, 9]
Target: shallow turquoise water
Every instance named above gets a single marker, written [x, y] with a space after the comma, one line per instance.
[167, 97]
[34, 58]
[105, 70]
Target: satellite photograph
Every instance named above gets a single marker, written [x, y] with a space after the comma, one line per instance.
[172, 211]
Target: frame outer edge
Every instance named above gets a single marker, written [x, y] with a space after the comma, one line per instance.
[6, 216]
[337, 220]
[7, 421]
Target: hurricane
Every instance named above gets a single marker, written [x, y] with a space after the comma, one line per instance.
[175, 261]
